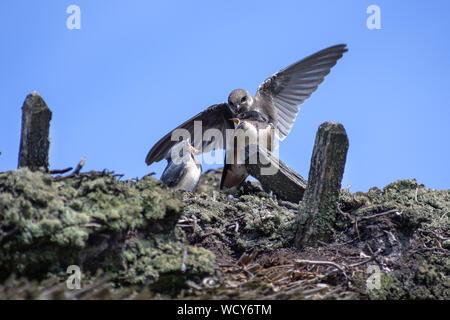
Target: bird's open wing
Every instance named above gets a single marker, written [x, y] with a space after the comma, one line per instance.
[215, 117]
[291, 86]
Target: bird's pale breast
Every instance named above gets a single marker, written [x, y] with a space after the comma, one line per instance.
[190, 180]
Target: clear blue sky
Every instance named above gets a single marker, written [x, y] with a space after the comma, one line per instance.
[137, 69]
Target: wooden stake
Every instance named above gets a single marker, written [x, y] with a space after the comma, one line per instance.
[317, 212]
[274, 175]
[34, 141]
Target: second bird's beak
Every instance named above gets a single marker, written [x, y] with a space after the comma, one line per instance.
[235, 120]
[193, 150]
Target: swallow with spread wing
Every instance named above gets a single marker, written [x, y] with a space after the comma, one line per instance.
[276, 100]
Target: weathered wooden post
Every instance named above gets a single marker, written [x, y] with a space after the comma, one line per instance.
[317, 212]
[274, 175]
[34, 140]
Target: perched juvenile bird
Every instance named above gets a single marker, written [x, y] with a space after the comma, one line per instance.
[251, 128]
[182, 171]
[277, 100]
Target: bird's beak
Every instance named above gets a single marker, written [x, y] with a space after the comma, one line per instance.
[193, 150]
[235, 120]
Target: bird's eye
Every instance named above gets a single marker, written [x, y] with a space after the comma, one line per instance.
[244, 98]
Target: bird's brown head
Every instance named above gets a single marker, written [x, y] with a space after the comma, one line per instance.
[240, 99]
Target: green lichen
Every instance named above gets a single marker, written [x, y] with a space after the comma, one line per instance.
[242, 221]
[145, 236]
[267, 226]
[94, 221]
[418, 229]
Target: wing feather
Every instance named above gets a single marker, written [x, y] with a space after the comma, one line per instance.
[217, 116]
[290, 87]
